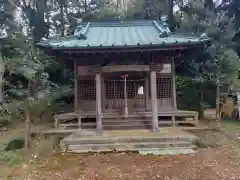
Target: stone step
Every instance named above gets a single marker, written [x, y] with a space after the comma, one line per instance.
[73, 140]
[129, 146]
[168, 151]
[153, 151]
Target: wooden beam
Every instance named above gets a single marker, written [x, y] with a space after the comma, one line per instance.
[125, 68]
[98, 102]
[163, 68]
[83, 70]
[154, 101]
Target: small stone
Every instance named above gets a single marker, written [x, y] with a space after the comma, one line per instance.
[4, 129]
[24, 166]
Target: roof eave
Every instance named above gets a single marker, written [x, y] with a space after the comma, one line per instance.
[164, 46]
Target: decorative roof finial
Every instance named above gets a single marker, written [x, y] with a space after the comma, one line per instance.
[203, 36]
[81, 31]
[79, 20]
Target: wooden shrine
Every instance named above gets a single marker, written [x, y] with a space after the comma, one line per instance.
[124, 74]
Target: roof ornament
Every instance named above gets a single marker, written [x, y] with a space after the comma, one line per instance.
[80, 32]
[81, 36]
[203, 36]
[164, 32]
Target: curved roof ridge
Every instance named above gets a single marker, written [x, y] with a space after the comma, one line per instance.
[121, 23]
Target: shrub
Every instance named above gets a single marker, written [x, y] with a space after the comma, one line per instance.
[15, 144]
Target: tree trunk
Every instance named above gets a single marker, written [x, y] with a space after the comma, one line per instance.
[28, 117]
[40, 25]
[47, 24]
[170, 15]
[1, 91]
[201, 110]
[209, 4]
[85, 6]
[2, 70]
[27, 128]
[62, 17]
[218, 115]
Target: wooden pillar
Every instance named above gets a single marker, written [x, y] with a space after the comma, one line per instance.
[174, 93]
[154, 101]
[174, 85]
[125, 98]
[146, 91]
[103, 94]
[98, 102]
[75, 87]
[56, 122]
[76, 105]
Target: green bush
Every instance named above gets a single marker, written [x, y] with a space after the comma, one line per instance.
[192, 95]
[15, 144]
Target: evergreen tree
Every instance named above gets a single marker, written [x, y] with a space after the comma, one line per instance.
[221, 62]
[6, 29]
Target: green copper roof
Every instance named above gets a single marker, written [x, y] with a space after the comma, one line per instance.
[122, 34]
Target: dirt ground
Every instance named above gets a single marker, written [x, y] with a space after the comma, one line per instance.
[219, 159]
[205, 165]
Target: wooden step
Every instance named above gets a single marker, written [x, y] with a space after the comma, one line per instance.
[110, 128]
[75, 126]
[118, 124]
[116, 116]
[127, 120]
[126, 123]
[126, 126]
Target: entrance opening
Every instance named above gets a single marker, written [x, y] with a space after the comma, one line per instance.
[123, 89]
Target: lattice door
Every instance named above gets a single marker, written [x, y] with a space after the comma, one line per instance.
[164, 92]
[87, 94]
[116, 98]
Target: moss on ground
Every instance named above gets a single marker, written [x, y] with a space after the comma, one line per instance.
[11, 158]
